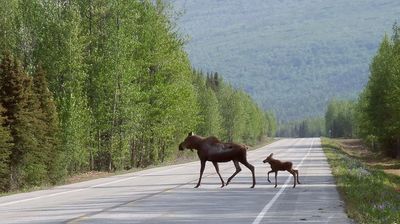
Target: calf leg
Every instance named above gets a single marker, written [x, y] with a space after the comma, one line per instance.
[276, 174]
[294, 177]
[203, 165]
[297, 174]
[217, 169]
[238, 169]
[251, 168]
[268, 175]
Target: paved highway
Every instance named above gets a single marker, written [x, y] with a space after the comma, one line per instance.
[166, 194]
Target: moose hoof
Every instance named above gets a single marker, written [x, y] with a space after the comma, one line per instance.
[197, 186]
[269, 181]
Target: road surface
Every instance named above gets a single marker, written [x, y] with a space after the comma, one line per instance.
[166, 194]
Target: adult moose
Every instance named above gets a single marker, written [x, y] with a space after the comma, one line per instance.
[212, 149]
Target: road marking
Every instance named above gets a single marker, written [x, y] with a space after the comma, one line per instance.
[261, 215]
[86, 188]
[98, 185]
[90, 214]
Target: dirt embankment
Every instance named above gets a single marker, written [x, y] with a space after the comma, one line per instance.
[355, 148]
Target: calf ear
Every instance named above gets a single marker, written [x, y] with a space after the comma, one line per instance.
[270, 155]
[191, 133]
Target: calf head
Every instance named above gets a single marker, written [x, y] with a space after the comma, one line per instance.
[268, 159]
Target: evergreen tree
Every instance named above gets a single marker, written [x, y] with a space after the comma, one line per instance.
[377, 109]
[380, 99]
[36, 157]
[14, 102]
[5, 152]
[50, 144]
[22, 114]
[124, 90]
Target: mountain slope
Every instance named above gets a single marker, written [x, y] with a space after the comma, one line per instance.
[291, 56]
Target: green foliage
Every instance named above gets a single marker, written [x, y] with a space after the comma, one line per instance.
[375, 116]
[379, 105]
[310, 127]
[232, 109]
[271, 123]
[229, 113]
[8, 25]
[290, 62]
[23, 117]
[50, 144]
[112, 89]
[209, 111]
[339, 119]
[5, 152]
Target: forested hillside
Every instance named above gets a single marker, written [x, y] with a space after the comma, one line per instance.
[374, 116]
[291, 56]
[104, 85]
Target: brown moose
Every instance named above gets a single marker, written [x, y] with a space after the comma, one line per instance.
[277, 165]
[212, 149]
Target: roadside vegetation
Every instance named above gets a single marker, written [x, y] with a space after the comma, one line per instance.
[365, 152]
[374, 116]
[291, 62]
[105, 86]
[371, 195]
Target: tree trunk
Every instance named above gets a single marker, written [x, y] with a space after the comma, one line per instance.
[133, 149]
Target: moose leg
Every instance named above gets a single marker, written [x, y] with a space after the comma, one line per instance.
[276, 174]
[203, 165]
[294, 177]
[217, 169]
[251, 168]
[268, 175]
[238, 169]
[297, 174]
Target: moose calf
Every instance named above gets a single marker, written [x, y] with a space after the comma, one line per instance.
[277, 165]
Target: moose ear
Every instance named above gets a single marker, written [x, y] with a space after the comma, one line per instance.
[191, 133]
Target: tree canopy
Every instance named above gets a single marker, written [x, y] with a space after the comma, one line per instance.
[105, 85]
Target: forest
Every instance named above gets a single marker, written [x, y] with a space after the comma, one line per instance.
[374, 116]
[105, 85]
[378, 107]
[293, 57]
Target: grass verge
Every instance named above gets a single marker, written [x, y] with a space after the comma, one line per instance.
[371, 195]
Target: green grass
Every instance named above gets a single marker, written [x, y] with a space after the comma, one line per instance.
[371, 196]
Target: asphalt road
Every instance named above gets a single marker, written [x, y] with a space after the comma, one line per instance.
[166, 194]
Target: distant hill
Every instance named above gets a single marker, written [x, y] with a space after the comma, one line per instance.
[292, 56]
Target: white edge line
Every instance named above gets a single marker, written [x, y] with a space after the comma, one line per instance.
[94, 186]
[86, 188]
[261, 215]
